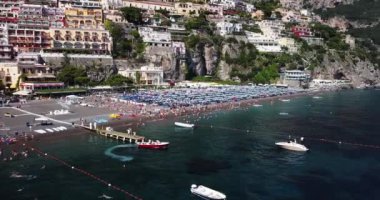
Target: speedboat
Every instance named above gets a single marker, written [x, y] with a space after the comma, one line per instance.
[292, 145]
[206, 193]
[184, 125]
[285, 100]
[317, 97]
[153, 144]
[257, 105]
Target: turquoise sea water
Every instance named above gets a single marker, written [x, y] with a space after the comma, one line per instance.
[243, 165]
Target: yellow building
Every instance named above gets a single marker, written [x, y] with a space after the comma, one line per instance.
[94, 40]
[188, 8]
[9, 74]
[84, 18]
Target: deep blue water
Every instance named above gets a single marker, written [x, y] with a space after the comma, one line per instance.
[243, 165]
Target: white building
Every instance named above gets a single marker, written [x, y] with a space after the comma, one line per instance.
[296, 75]
[155, 38]
[179, 48]
[111, 4]
[272, 28]
[288, 43]
[263, 43]
[225, 27]
[318, 83]
[80, 4]
[114, 16]
[227, 4]
[216, 9]
[148, 75]
[149, 5]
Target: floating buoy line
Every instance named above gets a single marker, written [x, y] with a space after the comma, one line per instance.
[84, 172]
[306, 138]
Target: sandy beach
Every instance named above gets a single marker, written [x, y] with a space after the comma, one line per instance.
[82, 115]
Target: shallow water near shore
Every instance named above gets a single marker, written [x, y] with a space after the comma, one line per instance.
[236, 155]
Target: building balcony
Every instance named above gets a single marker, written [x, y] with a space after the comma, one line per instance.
[5, 57]
[5, 49]
[105, 39]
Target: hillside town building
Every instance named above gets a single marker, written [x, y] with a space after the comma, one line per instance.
[155, 38]
[148, 75]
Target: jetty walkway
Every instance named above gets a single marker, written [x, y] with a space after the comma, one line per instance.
[109, 132]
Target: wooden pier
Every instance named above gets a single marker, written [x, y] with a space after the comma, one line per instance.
[125, 137]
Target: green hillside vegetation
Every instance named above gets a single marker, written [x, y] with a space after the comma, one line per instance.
[123, 47]
[367, 11]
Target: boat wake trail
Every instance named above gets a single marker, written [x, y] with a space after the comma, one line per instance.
[18, 175]
[104, 197]
[109, 153]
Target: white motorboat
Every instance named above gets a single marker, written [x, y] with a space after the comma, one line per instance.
[285, 100]
[206, 193]
[292, 145]
[317, 97]
[184, 125]
[257, 105]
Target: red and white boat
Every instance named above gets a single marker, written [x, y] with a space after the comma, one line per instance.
[153, 144]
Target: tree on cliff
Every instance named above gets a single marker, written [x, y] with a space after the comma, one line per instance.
[2, 86]
[132, 15]
[118, 80]
[199, 23]
[72, 75]
[138, 77]
[267, 75]
[267, 6]
[123, 47]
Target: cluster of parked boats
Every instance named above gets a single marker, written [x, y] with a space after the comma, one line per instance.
[205, 96]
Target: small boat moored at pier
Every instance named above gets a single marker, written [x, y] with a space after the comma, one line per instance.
[153, 144]
[206, 193]
[184, 125]
[292, 145]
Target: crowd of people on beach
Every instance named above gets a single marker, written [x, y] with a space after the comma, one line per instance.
[159, 104]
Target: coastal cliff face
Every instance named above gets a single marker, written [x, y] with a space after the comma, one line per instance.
[202, 60]
[359, 72]
[173, 67]
[205, 60]
[316, 4]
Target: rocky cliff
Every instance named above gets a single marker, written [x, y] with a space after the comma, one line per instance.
[317, 4]
[204, 60]
[359, 72]
[173, 66]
